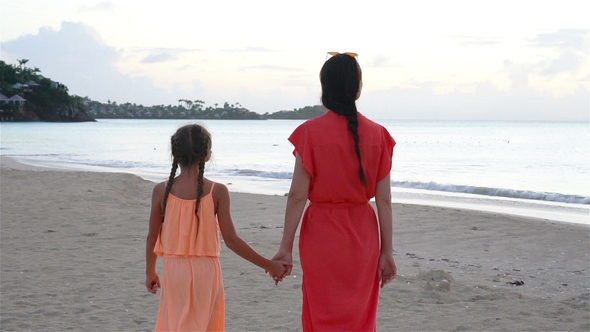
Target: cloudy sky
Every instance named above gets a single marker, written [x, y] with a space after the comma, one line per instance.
[457, 60]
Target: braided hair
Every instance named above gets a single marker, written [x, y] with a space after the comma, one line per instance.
[190, 145]
[340, 78]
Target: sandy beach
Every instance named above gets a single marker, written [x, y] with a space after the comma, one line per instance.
[72, 258]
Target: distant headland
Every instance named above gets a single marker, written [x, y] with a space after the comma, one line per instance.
[26, 95]
[187, 109]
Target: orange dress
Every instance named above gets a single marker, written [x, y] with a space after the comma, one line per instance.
[339, 237]
[192, 296]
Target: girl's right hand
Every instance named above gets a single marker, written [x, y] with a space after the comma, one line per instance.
[152, 282]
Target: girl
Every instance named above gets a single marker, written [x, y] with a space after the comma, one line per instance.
[185, 215]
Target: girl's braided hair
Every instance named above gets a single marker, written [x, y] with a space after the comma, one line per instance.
[190, 145]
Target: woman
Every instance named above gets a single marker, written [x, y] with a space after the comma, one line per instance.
[342, 161]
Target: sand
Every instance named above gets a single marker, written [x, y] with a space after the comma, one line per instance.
[72, 258]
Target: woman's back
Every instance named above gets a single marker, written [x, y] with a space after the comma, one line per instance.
[327, 151]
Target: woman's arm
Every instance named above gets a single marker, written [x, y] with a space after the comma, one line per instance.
[152, 282]
[295, 205]
[387, 268]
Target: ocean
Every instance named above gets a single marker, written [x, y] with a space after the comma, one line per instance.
[538, 169]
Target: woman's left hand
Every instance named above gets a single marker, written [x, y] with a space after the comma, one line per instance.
[387, 269]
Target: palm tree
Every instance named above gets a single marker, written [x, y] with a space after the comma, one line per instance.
[36, 70]
[199, 104]
[27, 74]
[21, 63]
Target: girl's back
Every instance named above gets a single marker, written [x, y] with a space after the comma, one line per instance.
[183, 233]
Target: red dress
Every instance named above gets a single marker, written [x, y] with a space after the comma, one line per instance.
[339, 237]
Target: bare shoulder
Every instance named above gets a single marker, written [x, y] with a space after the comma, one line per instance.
[220, 197]
[159, 189]
[220, 190]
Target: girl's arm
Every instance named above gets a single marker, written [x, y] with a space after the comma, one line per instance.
[295, 205]
[152, 281]
[387, 268]
[233, 241]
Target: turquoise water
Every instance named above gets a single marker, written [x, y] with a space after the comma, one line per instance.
[491, 163]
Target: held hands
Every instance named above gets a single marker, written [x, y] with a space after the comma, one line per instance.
[387, 269]
[285, 258]
[152, 282]
[278, 269]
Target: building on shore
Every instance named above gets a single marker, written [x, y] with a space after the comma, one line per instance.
[6, 111]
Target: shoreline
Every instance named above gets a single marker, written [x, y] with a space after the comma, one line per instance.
[72, 247]
[533, 209]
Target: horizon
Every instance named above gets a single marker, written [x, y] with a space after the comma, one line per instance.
[360, 111]
[420, 61]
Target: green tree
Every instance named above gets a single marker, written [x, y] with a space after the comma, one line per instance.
[8, 73]
[199, 104]
[21, 64]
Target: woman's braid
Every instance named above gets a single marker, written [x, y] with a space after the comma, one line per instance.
[341, 78]
[353, 125]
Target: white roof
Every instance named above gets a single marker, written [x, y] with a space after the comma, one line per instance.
[17, 97]
[3, 97]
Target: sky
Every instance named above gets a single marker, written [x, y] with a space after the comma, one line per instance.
[423, 60]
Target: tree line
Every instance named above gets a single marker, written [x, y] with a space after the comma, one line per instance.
[192, 109]
[47, 100]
